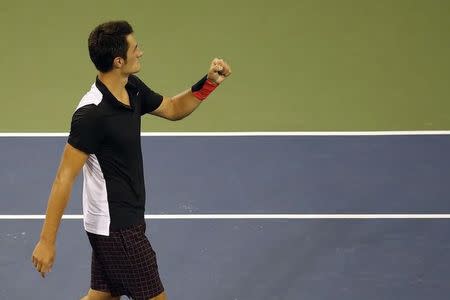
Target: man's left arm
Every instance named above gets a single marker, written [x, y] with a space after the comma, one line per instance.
[183, 104]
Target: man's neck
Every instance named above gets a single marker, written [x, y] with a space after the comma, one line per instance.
[116, 85]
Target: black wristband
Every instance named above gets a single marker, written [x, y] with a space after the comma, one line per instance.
[198, 86]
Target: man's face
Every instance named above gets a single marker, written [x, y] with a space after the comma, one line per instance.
[132, 64]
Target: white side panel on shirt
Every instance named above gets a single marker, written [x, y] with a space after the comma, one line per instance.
[95, 198]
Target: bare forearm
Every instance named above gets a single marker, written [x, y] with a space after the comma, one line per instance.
[184, 104]
[71, 163]
[57, 202]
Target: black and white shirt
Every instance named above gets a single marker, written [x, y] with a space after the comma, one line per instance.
[109, 131]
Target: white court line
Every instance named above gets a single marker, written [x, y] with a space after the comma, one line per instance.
[254, 216]
[248, 133]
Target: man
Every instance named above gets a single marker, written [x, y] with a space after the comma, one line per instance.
[104, 140]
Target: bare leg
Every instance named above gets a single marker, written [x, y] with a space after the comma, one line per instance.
[98, 295]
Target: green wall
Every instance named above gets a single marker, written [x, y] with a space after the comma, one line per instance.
[297, 65]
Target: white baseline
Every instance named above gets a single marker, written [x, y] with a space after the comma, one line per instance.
[248, 133]
[254, 216]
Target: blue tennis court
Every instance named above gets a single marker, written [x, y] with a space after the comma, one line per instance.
[241, 257]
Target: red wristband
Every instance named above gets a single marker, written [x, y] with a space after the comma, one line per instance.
[205, 90]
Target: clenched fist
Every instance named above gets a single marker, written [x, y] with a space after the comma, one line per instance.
[219, 70]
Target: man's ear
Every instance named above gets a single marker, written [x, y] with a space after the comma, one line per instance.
[118, 62]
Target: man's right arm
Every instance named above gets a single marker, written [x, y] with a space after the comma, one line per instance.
[71, 163]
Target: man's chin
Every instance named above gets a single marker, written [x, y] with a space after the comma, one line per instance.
[134, 71]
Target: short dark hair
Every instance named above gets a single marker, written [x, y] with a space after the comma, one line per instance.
[108, 41]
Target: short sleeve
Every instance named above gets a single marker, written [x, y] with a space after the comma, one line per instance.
[85, 130]
[150, 100]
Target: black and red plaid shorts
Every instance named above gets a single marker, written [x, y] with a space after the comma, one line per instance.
[124, 263]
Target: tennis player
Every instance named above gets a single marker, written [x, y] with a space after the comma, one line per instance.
[105, 142]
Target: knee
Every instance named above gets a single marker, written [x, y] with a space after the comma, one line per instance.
[161, 296]
[98, 295]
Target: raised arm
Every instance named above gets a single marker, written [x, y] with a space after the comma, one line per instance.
[71, 163]
[183, 104]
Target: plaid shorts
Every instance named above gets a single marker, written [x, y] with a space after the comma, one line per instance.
[124, 263]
